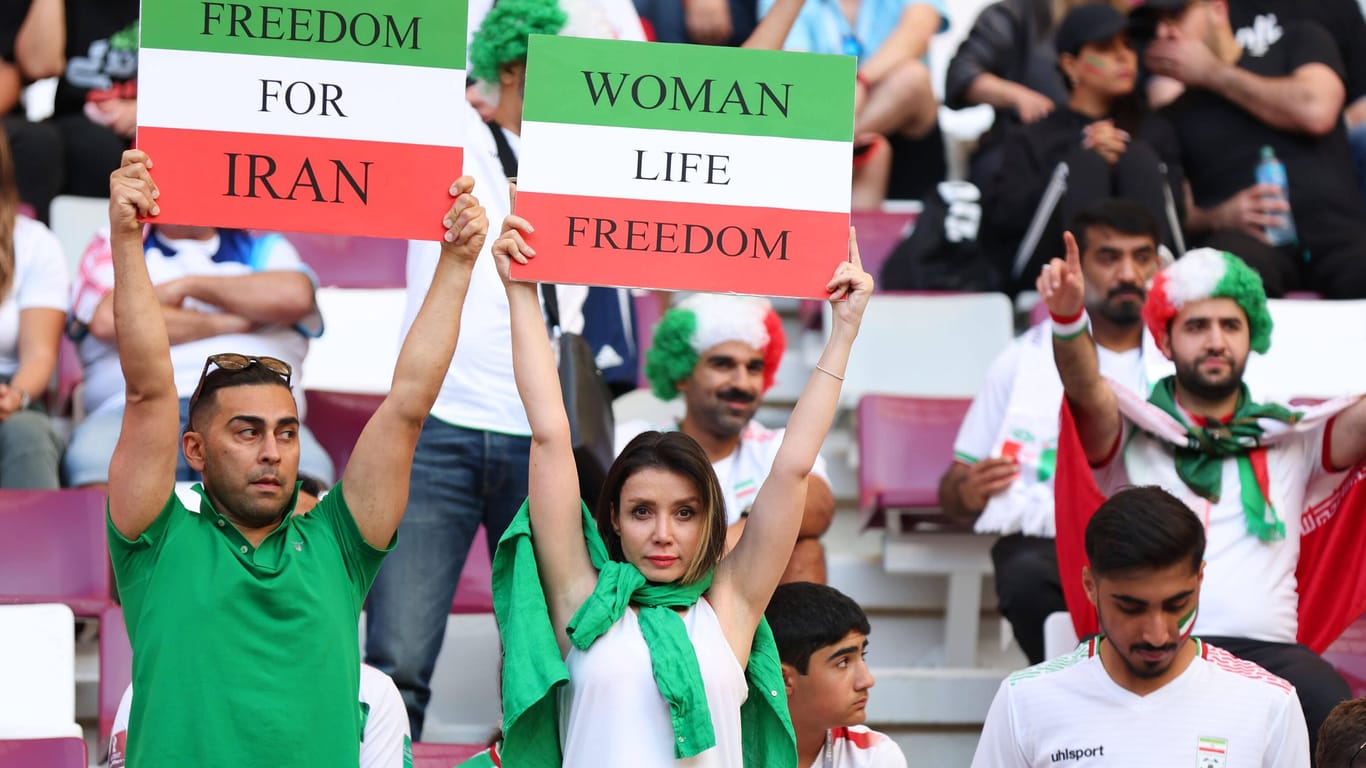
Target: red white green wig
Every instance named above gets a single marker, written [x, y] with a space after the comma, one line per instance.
[702, 321]
[1202, 274]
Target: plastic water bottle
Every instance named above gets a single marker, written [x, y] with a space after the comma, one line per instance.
[1272, 171]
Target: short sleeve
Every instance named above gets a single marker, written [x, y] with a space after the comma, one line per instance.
[94, 277]
[134, 560]
[1288, 737]
[887, 754]
[998, 747]
[40, 268]
[1308, 43]
[386, 741]
[1112, 475]
[362, 560]
[977, 435]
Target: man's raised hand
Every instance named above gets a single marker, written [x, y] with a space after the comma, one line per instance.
[132, 193]
[1060, 284]
[466, 223]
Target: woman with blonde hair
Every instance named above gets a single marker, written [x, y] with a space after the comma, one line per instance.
[33, 304]
[630, 639]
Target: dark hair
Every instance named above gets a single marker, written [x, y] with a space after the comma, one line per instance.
[1341, 735]
[807, 617]
[1120, 214]
[674, 452]
[225, 378]
[1143, 527]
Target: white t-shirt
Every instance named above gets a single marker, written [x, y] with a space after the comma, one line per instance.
[386, 741]
[479, 391]
[740, 474]
[858, 746]
[1221, 712]
[1249, 588]
[611, 714]
[980, 436]
[103, 375]
[40, 282]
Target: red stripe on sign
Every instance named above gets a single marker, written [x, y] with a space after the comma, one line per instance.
[682, 246]
[301, 184]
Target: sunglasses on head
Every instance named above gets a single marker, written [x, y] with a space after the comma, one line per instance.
[231, 361]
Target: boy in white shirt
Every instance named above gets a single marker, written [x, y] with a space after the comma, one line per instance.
[822, 638]
[1144, 692]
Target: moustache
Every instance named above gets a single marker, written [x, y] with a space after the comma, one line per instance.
[264, 475]
[1133, 290]
[736, 396]
[1141, 647]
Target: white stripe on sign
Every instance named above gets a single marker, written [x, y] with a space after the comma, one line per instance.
[236, 93]
[685, 167]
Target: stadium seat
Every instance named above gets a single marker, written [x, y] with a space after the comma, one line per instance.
[474, 594]
[1348, 655]
[905, 444]
[360, 342]
[68, 752]
[337, 418]
[54, 549]
[342, 261]
[926, 344]
[1297, 364]
[879, 233]
[37, 673]
[75, 220]
[429, 755]
[116, 668]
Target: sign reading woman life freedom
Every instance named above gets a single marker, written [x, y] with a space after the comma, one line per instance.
[685, 167]
[345, 119]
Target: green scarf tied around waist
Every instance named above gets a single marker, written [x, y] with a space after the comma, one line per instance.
[1199, 464]
[533, 668]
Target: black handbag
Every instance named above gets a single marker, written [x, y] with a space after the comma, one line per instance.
[587, 402]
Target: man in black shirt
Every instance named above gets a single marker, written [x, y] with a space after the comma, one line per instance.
[1290, 99]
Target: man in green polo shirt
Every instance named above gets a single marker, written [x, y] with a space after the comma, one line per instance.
[243, 615]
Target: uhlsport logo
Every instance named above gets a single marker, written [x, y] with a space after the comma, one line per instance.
[1065, 755]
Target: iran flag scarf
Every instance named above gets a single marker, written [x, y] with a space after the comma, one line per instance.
[1332, 585]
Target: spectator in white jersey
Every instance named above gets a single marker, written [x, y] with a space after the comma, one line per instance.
[822, 637]
[722, 354]
[1144, 692]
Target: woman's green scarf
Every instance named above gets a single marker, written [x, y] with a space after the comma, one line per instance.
[1200, 463]
[533, 668]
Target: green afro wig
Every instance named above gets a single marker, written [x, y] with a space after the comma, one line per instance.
[671, 357]
[502, 37]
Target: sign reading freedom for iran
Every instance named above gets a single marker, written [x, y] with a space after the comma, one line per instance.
[685, 167]
[344, 119]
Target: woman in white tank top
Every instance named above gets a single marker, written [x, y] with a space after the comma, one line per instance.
[629, 640]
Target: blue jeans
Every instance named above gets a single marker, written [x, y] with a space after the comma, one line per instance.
[461, 478]
[92, 446]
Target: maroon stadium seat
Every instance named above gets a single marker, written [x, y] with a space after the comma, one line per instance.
[68, 752]
[430, 755]
[116, 668]
[337, 418]
[905, 444]
[475, 591]
[54, 549]
[353, 262]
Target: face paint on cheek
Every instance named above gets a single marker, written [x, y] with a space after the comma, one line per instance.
[1187, 623]
[1095, 63]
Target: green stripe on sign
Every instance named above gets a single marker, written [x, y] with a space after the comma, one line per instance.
[419, 33]
[690, 88]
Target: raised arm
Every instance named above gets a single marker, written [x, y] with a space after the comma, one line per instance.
[746, 578]
[376, 477]
[142, 470]
[1093, 403]
[567, 574]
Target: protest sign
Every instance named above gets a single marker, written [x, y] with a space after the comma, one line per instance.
[345, 119]
[685, 167]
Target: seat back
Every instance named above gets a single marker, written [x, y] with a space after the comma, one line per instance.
[1297, 364]
[905, 444]
[337, 418]
[75, 220]
[37, 672]
[116, 667]
[65, 752]
[926, 344]
[879, 233]
[430, 755]
[360, 342]
[343, 261]
[54, 549]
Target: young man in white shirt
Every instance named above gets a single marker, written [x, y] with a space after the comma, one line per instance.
[822, 638]
[1144, 692]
